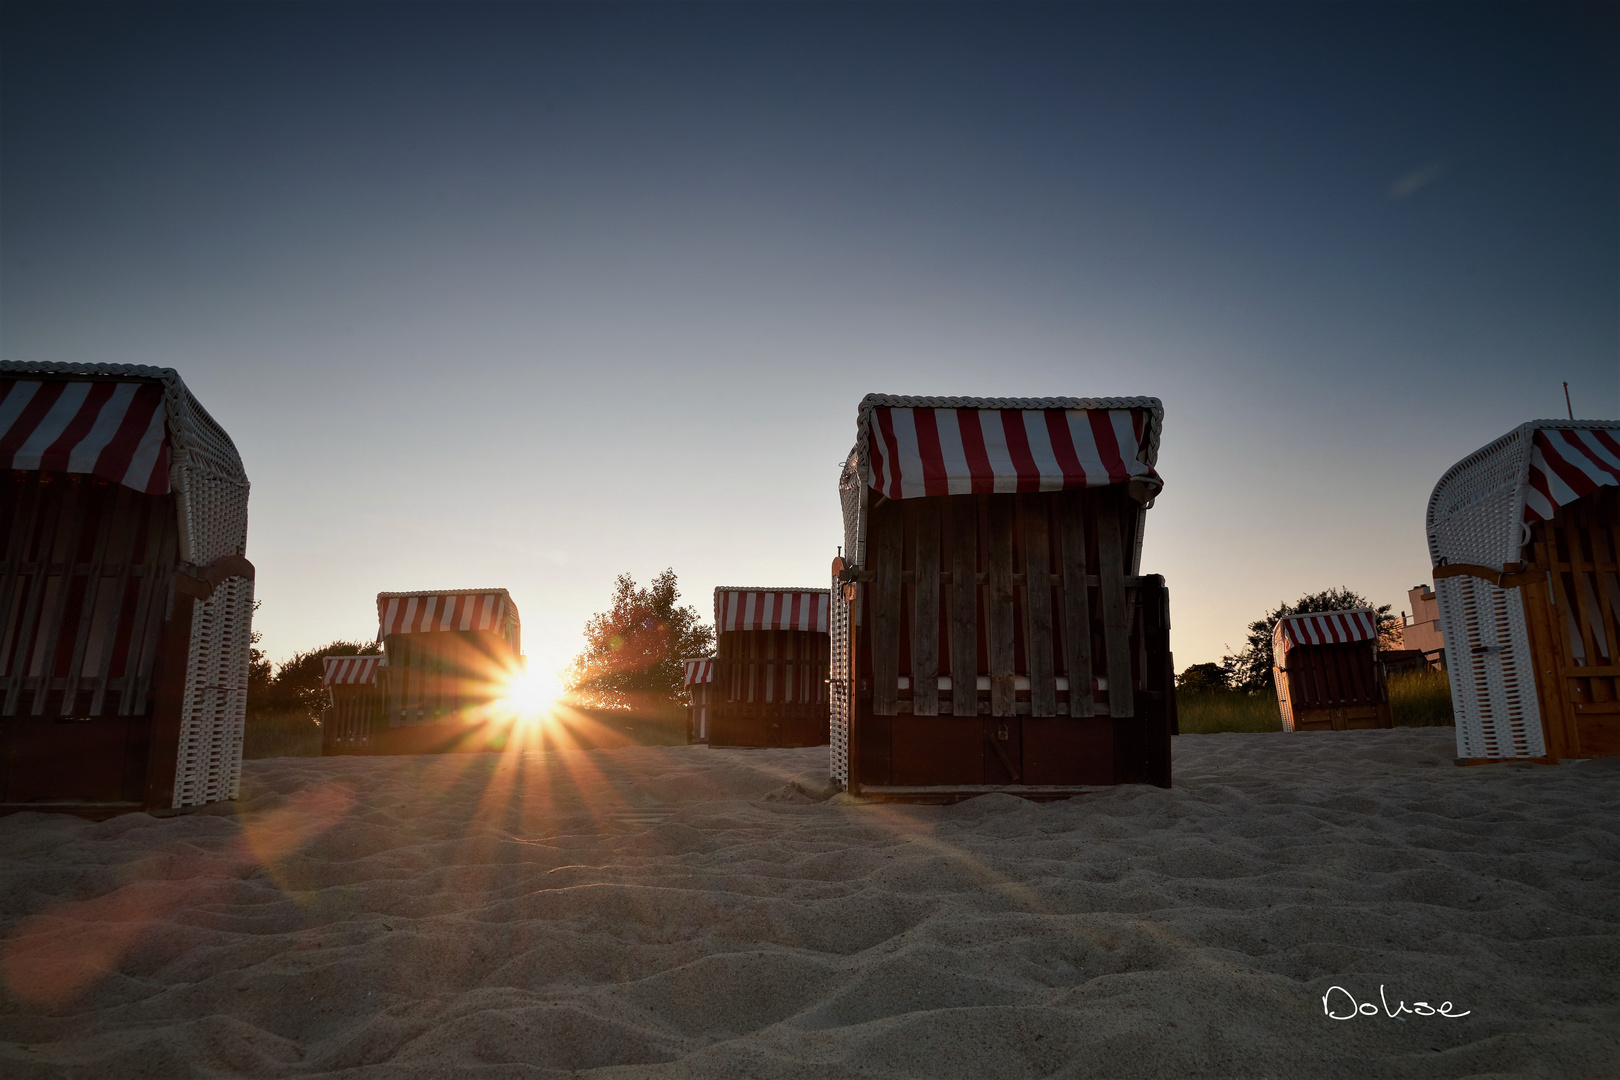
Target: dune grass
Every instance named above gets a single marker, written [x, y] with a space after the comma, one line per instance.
[1206, 712]
[289, 733]
[1421, 699]
[1416, 699]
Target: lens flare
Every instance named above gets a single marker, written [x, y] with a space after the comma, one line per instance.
[532, 693]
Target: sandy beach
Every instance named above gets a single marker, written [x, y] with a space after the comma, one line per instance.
[687, 912]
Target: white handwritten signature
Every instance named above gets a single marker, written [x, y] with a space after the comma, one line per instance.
[1367, 1008]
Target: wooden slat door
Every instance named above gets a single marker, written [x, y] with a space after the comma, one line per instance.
[770, 689]
[981, 616]
[352, 722]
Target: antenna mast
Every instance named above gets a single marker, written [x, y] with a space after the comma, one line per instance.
[1567, 407]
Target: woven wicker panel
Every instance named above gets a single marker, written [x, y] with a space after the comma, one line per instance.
[215, 704]
[838, 687]
[1474, 516]
[1476, 510]
[1493, 689]
[213, 505]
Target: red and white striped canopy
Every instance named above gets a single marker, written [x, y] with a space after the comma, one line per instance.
[770, 609]
[457, 609]
[111, 429]
[699, 671]
[915, 452]
[1567, 463]
[349, 670]
[1325, 628]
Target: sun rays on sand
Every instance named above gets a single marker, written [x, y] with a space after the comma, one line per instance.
[681, 911]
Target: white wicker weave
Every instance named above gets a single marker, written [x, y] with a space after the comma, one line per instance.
[1493, 685]
[211, 490]
[838, 686]
[1476, 515]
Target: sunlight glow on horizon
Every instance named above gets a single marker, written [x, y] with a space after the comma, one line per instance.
[532, 693]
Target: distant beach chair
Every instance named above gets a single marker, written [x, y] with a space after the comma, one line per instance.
[699, 681]
[770, 667]
[447, 656]
[128, 599]
[354, 706]
[991, 630]
[1327, 671]
[1523, 539]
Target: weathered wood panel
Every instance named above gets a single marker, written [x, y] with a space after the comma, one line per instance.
[1116, 621]
[1039, 645]
[925, 524]
[83, 560]
[885, 631]
[1076, 604]
[964, 653]
[770, 689]
[998, 603]
[1035, 561]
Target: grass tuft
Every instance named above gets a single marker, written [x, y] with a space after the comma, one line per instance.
[1416, 699]
[280, 734]
[1421, 699]
[1206, 712]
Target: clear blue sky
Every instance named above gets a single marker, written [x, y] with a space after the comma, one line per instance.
[528, 295]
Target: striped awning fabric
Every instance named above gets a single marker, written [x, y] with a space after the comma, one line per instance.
[454, 609]
[1326, 628]
[920, 451]
[349, 670]
[699, 671]
[1567, 463]
[106, 428]
[770, 609]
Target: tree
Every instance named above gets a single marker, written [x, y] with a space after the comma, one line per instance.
[296, 685]
[1201, 677]
[261, 673]
[632, 655]
[1250, 667]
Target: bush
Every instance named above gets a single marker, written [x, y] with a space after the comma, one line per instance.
[1421, 699]
[1205, 712]
[283, 733]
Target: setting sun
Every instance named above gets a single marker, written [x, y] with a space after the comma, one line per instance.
[532, 692]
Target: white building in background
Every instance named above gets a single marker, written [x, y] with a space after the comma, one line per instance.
[1422, 628]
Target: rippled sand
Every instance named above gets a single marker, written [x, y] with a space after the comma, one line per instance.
[680, 911]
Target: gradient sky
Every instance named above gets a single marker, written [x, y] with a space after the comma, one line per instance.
[530, 295]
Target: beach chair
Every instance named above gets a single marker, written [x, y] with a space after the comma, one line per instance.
[991, 630]
[127, 596]
[1327, 671]
[770, 667]
[354, 703]
[1522, 537]
[448, 657]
